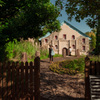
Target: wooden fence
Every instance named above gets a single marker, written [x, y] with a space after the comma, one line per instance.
[20, 81]
[92, 68]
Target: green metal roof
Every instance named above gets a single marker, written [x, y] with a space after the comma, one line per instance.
[44, 36]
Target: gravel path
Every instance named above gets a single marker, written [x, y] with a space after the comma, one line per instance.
[60, 87]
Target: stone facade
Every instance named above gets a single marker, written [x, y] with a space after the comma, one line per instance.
[69, 36]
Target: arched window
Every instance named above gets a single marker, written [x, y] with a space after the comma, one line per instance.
[56, 46]
[83, 48]
[46, 40]
[73, 37]
[83, 40]
[73, 46]
[64, 36]
[56, 37]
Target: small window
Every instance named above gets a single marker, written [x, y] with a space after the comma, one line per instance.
[64, 36]
[83, 48]
[73, 37]
[56, 46]
[83, 40]
[73, 46]
[46, 40]
[56, 37]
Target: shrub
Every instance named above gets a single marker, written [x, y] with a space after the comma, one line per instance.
[95, 58]
[71, 67]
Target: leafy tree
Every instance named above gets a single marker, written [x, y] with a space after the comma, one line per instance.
[93, 42]
[50, 27]
[31, 18]
[80, 9]
[9, 8]
[90, 33]
[93, 39]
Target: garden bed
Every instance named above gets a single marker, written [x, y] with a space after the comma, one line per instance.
[70, 67]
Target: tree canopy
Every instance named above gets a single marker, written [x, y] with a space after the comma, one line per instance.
[9, 8]
[84, 9]
[28, 18]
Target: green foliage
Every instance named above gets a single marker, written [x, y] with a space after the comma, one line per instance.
[93, 40]
[69, 67]
[9, 8]
[44, 53]
[57, 55]
[95, 58]
[9, 49]
[92, 34]
[30, 18]
[15, 49]
[50, 27]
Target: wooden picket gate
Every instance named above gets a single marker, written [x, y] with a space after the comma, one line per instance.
[20, 81]
[92, 79]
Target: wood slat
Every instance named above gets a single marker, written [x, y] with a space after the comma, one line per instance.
[4, 92]
[92, 64]
[97, 68]
[22, 80]
[37, 78]
[31, 80]
[26, 80]
[17, 81]
[0, 80]
[9, 81]
[87, 73]
[13, 80]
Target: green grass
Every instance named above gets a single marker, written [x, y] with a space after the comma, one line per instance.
[57, 55]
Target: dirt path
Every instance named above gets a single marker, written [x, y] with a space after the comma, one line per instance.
[60, 87]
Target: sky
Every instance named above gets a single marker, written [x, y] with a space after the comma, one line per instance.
[82, 26]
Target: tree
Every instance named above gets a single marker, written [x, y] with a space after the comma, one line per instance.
[51, 27]
[31, 19]
[93, 39]
[90, 33]
[93, 42]
[9, 8]
[80, 9]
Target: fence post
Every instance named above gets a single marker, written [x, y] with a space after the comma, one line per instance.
[77, 53]
[87, 72]
[24, 57]
[37, 75]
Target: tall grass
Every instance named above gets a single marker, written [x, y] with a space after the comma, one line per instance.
[14, 50]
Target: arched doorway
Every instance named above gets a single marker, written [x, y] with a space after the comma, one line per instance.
[64, 52]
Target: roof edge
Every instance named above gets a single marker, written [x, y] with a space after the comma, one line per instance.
[76, 29]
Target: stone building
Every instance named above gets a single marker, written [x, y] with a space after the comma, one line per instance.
[68, 36]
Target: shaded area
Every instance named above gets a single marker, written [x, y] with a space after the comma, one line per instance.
[60, 87]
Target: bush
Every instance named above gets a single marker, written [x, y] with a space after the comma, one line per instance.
[44, 53]
[69, 67]
[95, 58]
